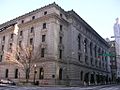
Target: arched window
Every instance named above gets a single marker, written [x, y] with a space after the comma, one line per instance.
[85, 45]
[86, 77]
[91, 48]
[41, 73]
[16, 73]
[79, 41]
[81, 75]
[60, 73]
[6, 73]
[95, 51]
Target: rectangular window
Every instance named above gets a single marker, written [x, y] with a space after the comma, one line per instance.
[60, 14]
[60, 40]
[41, 73]
[79, 42]
[42, 52]
[60, 54]
[20, 45]
[95, 51]
[61, 28]
[91, 49]
[6, 73]
[11, 36]
[85, 45]
[81, 75]
[79, 57]
[31, 41]
[10, 47]
[16, 73]
[43, 38]
[0, 58]
[21, 33]
[17, 57]
[32, 29]
[2, 47]
[44, 25]
[3, 38]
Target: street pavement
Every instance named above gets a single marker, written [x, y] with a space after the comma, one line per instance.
[103, 87]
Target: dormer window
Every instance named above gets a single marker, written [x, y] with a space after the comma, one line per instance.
[33, 17]
[45, 12]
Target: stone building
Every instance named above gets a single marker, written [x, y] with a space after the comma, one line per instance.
[69, 48]
[114, 60]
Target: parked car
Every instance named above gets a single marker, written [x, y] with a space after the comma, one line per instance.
[7, 82]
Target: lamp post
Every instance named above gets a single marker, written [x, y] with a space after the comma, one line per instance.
[35, 72]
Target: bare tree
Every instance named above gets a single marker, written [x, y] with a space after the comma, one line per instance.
[24, 57]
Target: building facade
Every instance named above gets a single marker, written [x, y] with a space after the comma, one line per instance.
[113, 61]
[117, 44]
[69, 48]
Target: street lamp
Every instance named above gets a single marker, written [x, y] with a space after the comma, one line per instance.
[35, 72]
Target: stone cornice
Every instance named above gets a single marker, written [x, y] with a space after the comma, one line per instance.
[13, 21]
[52, 15]
[73, 14]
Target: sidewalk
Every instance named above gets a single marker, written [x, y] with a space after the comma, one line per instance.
[94, 87]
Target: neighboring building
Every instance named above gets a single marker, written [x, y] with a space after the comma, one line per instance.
[70, 48]
[113, 61]
[117, 44]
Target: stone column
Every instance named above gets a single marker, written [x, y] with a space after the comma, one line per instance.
[95, 77]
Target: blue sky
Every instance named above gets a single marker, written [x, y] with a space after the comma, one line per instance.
[99, 14]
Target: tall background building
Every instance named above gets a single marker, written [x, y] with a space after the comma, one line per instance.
[117, 45]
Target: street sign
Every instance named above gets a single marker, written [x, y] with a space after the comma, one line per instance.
[106, 54]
